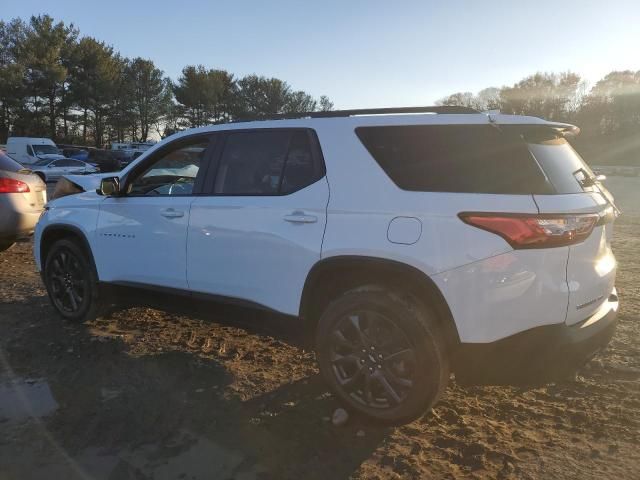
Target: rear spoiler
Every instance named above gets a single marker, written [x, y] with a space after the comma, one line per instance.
[508, 122]
[564, 129]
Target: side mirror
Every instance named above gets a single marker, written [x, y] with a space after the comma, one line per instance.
[50, 165]
[109, 187]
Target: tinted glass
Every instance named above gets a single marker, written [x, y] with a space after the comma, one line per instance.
[252, 163]
[65, 163]
[300, 168]
[8, 164]
[174, 173]
[564, 168]
[454, 158]
[267, 162]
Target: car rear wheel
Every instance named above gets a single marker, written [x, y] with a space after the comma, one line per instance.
[71, 281]
[382, 355]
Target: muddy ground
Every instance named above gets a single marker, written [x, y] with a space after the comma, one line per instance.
[227, 393]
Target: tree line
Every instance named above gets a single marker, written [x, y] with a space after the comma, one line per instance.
[76, 89]
[608, 113]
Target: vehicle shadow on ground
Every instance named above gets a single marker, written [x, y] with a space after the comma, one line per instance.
[169, 414]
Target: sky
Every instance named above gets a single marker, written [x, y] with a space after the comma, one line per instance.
[365, 54]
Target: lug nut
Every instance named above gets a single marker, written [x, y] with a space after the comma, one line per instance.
[372, 347]
[380, 356]
[362, 361]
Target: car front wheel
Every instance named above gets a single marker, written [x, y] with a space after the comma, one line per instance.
[71, 281]
[382, 355]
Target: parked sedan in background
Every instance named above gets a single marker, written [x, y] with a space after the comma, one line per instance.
[22, 198]
[52, 170]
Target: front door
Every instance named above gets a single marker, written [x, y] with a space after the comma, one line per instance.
[141, 233]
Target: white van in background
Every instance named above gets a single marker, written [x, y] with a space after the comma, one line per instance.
[27, 150]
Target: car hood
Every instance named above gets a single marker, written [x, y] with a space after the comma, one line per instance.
[87, 182]
[76, 184]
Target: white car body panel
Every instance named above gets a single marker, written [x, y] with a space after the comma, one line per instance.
[506, 294]
[244, 246]
[591, 266]
[143, 240]
[78, 211]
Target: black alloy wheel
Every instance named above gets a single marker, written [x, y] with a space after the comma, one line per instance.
[71, 281]
[372, 359]
[68, 282]
[382, 354]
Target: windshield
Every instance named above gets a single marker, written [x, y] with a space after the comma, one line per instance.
[45, 149]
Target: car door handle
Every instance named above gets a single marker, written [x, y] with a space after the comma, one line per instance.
[171, 213]
[300, 217]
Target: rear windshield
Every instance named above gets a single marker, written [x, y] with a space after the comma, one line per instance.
[8, 164]
[562, 165]
[454, 158]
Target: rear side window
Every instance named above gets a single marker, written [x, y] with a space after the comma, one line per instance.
[63, 163]
[266, 162]
[454, 158]
[8, 164]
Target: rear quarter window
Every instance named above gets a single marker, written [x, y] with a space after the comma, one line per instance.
[454, 158]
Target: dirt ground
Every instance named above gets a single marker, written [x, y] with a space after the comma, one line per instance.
[227, 393]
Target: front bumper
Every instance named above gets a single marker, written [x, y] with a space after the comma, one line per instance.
[537, 356]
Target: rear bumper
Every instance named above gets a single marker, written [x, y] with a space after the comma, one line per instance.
[14, 224]
[537, 356]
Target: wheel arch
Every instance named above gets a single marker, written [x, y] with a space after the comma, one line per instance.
[334, 275]
[53, 233]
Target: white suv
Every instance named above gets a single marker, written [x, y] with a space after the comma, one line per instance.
[414, 242]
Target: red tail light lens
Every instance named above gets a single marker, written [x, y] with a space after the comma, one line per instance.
[10, 185]
[535, 231]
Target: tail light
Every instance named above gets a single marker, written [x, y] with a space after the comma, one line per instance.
[535, 231]
[10, 185]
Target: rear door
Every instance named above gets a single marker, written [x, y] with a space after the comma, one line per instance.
[591, 266]
[257, 230]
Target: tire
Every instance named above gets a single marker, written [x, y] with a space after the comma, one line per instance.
[370, 341]
[71, 281]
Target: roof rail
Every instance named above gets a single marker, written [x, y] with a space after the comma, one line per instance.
[367, 111]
